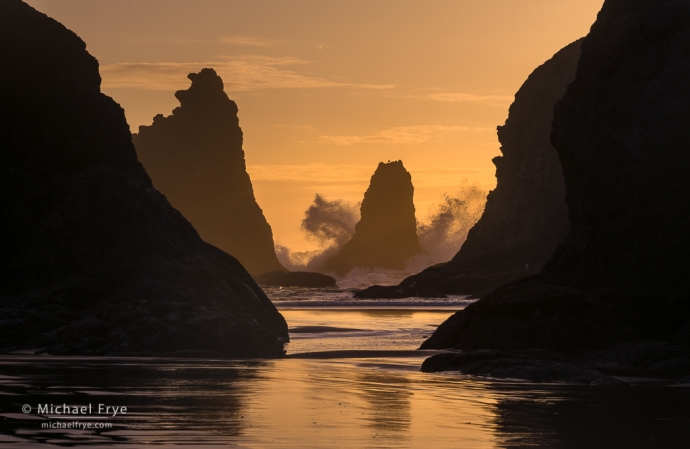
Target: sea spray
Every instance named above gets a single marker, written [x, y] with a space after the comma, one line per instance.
[331, 224]
[446, 228]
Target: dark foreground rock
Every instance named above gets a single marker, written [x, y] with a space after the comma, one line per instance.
[535, 366]
[653, 357]
[526, 216]
[195, 158]
[685, 381]
[386, 234]
[530, 313]
[642, 359]
[622, 132]
[295, 279]
[94, 260]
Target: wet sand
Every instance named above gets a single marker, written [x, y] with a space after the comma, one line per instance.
[401, 329]
[356, 396]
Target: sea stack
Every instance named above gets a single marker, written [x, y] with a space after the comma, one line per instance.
[526, 216]
[622, 132]
[386, 234]
[195, 158]
[94, 260]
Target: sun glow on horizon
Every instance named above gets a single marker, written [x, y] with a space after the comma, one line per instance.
[327, 90]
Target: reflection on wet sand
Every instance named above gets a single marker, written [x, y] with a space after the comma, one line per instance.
[166, 399]
[388, 396]
[369, 396]
[305, 403]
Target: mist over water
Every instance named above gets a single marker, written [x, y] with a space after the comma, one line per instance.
[332, 224]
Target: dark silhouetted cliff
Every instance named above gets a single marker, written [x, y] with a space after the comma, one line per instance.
[622, 132]
[94, 260]
[195, 158]
[526, 217]
[386, 234]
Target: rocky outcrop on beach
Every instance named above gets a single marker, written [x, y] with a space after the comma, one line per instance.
[94, 259]
[526, 216]
[386, 234]
[622, 132]
[534, 366]
[650, 359]
[195, 158]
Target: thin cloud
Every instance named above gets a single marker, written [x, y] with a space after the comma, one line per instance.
[240, 74]
[448, 97]
[456, 97]
[250, 41]
[307, 127]
[406, 135]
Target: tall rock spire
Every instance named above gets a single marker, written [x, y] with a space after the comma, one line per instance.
[195, 158]
[526, 216]
[386, 235]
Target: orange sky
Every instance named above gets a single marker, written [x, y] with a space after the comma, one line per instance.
[327, 89]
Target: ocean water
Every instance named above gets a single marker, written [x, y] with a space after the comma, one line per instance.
[351, 379]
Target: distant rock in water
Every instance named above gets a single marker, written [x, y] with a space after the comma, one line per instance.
[526, 216]
[622, 132]
[386, 234]
[195, 158]
[295, 279]
[93, 259]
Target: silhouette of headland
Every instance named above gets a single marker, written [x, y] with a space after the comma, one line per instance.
[622, 132]
[94, 259]
[386, 234]
[195, 158]
[526, 217]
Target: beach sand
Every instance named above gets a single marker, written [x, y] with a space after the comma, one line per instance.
[351, 379]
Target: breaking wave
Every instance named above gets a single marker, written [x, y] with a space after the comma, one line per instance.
[332, 224]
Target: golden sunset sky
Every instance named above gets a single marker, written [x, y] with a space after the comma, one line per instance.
[328, 89]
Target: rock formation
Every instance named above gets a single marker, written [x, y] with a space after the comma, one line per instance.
[93, 259]
[651, 359]
[526, 217]
[195, 158]
[622, 132]
[386, 234]
[533, 365]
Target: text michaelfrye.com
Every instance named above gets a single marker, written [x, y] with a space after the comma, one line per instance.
[76, 425]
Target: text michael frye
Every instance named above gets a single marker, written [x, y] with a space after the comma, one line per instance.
[64, 409]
